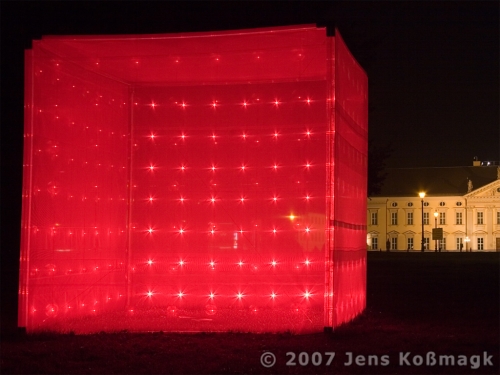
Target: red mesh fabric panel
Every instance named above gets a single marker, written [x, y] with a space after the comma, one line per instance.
[348, 217]
[186, 182]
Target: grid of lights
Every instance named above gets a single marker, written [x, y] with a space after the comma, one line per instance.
[188, 198]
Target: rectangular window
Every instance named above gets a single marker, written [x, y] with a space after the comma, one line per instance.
[394, 218]
[442, 218]
[498, 217]
[426, 243]
[426, 218]
[458, 218]
[460, 243]
[409, 218]
[394, 243]
[480, 243]
[442, 244]
[480, 218]
[410, 243]
[374, 243]
[374, 218]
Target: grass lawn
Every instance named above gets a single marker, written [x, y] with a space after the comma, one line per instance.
[418, 304]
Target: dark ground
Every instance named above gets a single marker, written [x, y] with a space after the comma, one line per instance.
[446, 303]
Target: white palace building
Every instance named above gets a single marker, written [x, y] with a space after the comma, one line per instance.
[463, 201]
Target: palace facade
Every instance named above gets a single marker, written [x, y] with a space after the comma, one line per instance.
[463, 201]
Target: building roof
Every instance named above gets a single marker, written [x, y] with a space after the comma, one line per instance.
[440, 181]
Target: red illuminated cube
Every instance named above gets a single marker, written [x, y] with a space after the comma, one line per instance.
[194, 182]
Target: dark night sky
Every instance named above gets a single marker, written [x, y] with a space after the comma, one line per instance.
[433, 69]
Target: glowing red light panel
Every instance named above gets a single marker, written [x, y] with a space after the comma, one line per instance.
[194, 182]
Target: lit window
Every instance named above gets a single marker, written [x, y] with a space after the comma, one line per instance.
[442, 218]
[394, 218]
[426, 243]
[426, 218]
[480, 218]
[442, 244]
[409, 243]
[409, 218]
[394, 243]
[480, 243]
